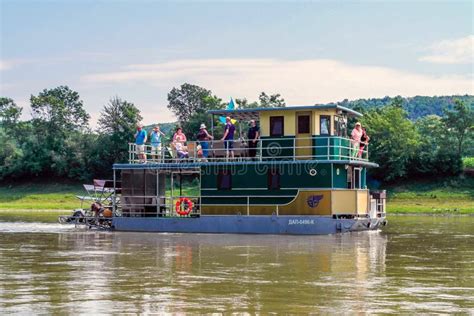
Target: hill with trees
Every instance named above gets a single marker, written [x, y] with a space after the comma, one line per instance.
[416, 107]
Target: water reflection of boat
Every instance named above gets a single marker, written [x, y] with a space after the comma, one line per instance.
[304, 177]
[235, 272]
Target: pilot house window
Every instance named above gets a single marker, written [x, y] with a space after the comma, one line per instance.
[325, 125]
[303, 124]
[340, 126]
[276, 126]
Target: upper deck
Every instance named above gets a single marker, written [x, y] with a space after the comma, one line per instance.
[298, 133]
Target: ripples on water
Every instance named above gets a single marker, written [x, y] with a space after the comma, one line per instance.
[416, 265]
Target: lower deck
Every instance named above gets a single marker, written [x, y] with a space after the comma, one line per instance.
[248, 189]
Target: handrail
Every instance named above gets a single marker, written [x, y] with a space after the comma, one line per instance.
[267, 149]
[165, 205]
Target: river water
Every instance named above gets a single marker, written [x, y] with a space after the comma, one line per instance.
[415, 265]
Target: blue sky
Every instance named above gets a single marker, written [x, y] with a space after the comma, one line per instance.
[310, 52]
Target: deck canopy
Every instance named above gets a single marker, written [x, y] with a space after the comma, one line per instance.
[239, 115]
[253, 114]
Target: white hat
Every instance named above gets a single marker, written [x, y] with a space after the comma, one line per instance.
[203, 126]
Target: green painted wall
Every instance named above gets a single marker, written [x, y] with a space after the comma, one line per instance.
[256, 175]
[252, 179]
[335, 149]
[339, 181]
[281, 147]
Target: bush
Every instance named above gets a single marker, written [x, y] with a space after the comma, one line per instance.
[468, 162]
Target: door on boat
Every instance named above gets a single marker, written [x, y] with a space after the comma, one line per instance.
[354, 180]
[303, 142]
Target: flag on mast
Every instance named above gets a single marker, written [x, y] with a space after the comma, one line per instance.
[230, 106]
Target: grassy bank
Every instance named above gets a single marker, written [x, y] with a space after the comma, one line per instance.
[51, 196]
[443, 196]
[451, 196]
[40, 196]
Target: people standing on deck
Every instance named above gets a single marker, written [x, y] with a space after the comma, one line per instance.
[204, 137]
[228, 138]
[179, 136]
[140, 140]
[364, 141]
[253, 134]
[155, 139]
[356, 136]
[179, 140]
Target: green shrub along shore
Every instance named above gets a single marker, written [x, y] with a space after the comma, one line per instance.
[448, 196]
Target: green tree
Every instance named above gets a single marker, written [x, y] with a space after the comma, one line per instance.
[190, 104]
[59, 119]
[264, 101]
[189, 100]
[433, 155]
[61, 108]
[11, 156]
[117, 124]
[271, 101]
[9, 112]
[393, 141]
[245, 104]
[460, 122]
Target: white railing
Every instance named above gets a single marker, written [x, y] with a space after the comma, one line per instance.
[156, 206]
[267, 149]
[165, 206]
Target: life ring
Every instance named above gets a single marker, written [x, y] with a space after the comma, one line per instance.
[185, 211]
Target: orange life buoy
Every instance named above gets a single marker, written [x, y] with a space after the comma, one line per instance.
[187, 209]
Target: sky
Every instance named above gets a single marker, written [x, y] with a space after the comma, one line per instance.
[309, 52]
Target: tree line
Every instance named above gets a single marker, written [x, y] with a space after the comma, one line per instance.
[57, 142]
[416, 107]
[429, 146]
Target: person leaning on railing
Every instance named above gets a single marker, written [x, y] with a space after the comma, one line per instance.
[356, 136]
[253, 134]
[204, 137]
[364, 141]
[155, 140]
[228, 138]
[179, 140]
[140, 140]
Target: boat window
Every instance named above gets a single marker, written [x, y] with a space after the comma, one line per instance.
[303, 124]
[340, 126]
[224, 180]
[325, 124]
[276, 126]
[273, 179]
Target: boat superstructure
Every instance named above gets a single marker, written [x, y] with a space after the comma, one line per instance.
[304, 179]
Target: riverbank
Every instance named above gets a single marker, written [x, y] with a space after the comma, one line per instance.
[40, 196]
[446, 196]
[451, 196]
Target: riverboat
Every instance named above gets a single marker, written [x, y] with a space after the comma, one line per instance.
[304, 178]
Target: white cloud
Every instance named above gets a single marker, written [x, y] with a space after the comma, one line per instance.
[455, 51]
[5, 65]
[299, 82]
